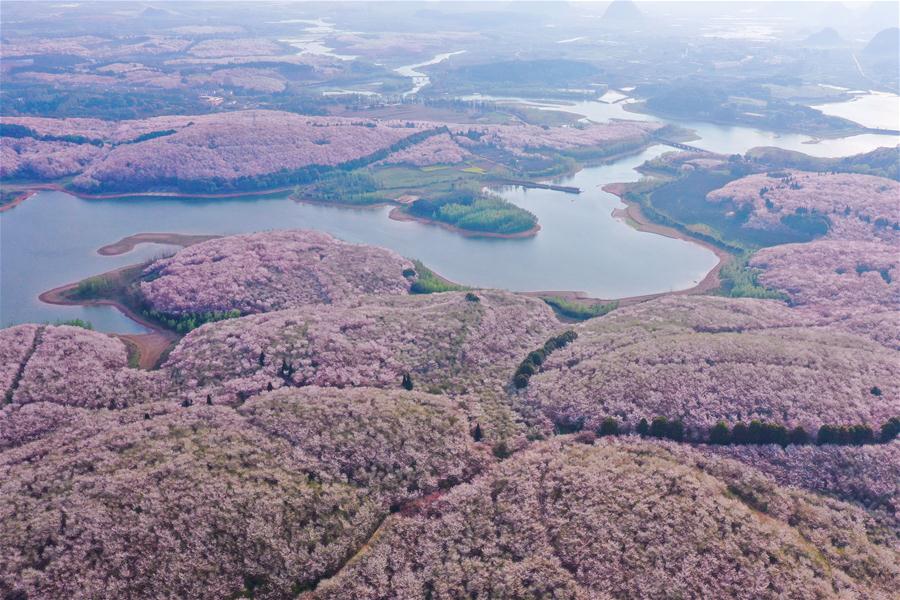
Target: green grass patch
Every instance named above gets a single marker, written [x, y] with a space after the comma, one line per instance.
[188, 322]
[427, 282]
[74, 323]
[682, 203]
[344, 187]
[739, 280]
[93, 288]
[425, 180]
[579, 310]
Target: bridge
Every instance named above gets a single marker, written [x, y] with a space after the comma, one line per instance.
[680, 146]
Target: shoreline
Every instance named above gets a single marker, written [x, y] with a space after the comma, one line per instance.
[398, 214]
[150, 347]
[25, 196]
[32, 189]
[633, 215]
[129, 243]
[816, 137]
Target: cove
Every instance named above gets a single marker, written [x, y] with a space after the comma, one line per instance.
[52, 238]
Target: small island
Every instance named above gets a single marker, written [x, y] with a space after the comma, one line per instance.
[472, 212]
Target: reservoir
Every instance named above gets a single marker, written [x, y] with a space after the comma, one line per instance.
[52, 238]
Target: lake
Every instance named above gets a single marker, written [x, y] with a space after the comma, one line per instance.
[879, 110]
[52, 238]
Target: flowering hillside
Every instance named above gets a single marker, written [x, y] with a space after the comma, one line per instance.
[859, 207]
[443, 341]
[77, 367]
[707, 359]
[239, 144]
[31, 158]
[22, 424]
[833, 273]
[355, 441]
[869, 475]
[260, 148]
[275, 496]
[436, 150]
[621, 520]
[522, 139]
[16, 344]
[853, 285]
[269, 271]
[263, 80]
[399, 444]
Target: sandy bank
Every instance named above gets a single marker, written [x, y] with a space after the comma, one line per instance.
[19, 200]
[633, 215]
[127, 244]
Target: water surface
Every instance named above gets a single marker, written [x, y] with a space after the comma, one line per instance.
[879, 110]
[52, 239]
[724, 139]
[420, 79]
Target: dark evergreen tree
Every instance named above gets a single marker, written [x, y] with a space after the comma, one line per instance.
[739, 434]
[799, 436]
[755, 432]
[890, 430]
[675, 430]
[609, 426]
[861, 434]
[643, 428]
[565, 426]
[501, 450]
[659, 427]
[719, 433]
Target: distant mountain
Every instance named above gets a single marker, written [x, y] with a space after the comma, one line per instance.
[621, 11]
[885, 42]
[152, 11]
[826, 38]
